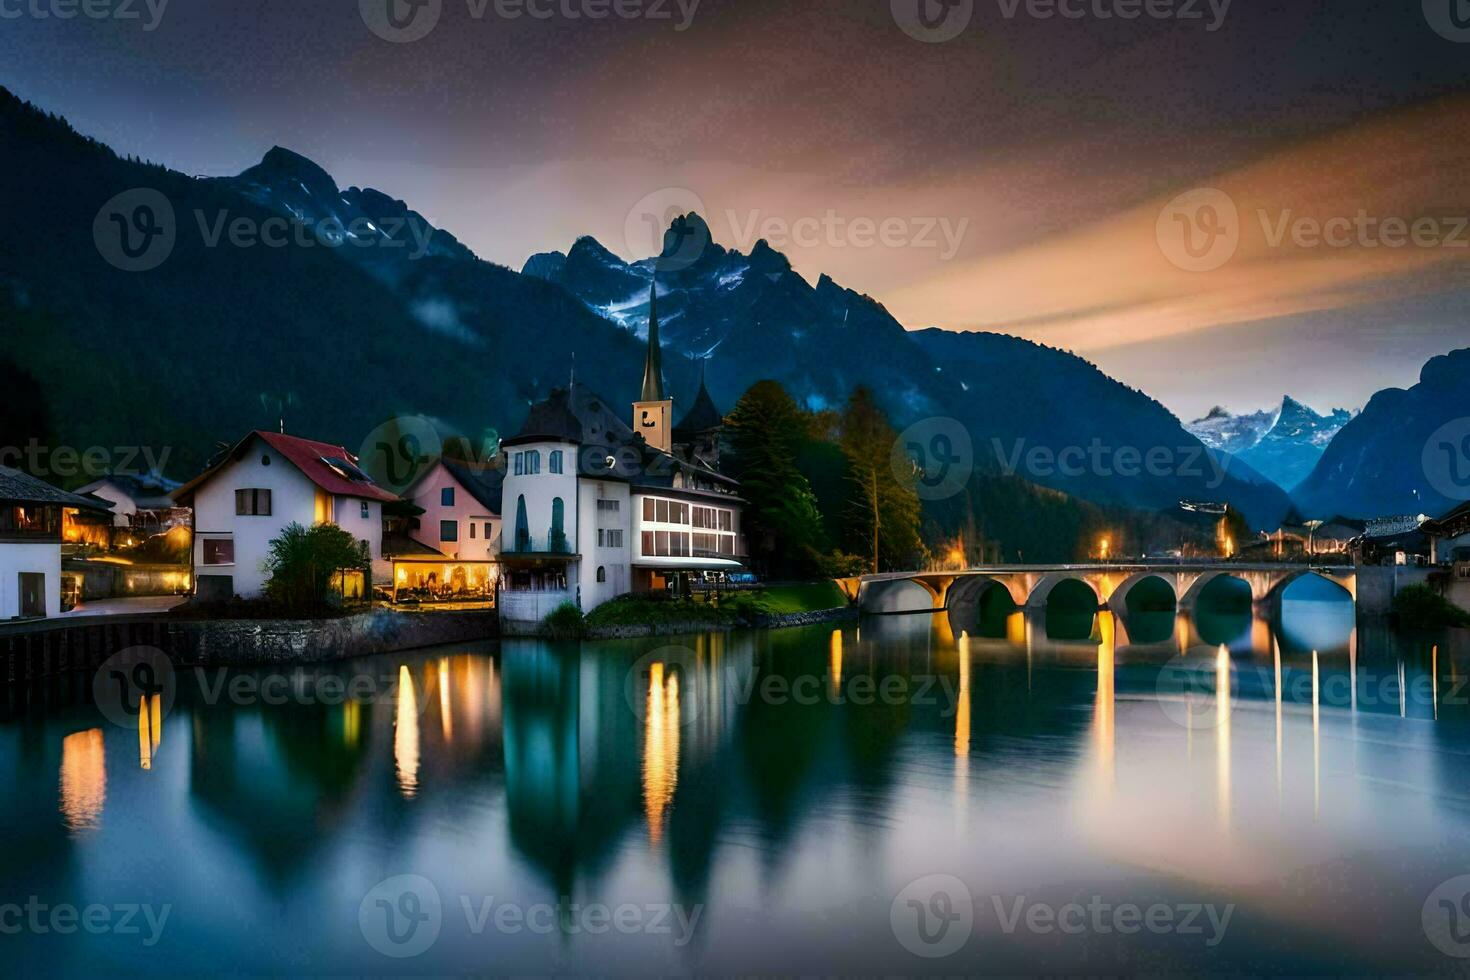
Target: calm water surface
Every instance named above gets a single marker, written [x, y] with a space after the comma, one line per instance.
[766, 803]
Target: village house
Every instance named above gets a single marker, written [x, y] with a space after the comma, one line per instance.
[1449, 537]
[446, 548]
[248, 496]
[30, 543]
[595, 508]
[142, 504]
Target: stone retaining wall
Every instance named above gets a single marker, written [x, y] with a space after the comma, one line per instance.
[43, 650]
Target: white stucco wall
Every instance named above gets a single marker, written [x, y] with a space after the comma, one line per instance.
[293, 499]
[617, 562]
[540, 490]
[1444, 548]
[466, 512]
[122, 505]
[29, 558]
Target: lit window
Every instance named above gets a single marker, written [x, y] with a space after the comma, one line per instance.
[219, 551]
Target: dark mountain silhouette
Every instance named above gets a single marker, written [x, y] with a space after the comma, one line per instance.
[1404, 454]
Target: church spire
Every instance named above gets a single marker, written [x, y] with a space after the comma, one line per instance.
[653, 367]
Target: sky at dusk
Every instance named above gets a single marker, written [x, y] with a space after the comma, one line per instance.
[1024, 176]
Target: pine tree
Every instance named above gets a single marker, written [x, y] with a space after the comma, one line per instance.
[883, 506]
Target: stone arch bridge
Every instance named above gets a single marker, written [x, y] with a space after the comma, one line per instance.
[1031, 586]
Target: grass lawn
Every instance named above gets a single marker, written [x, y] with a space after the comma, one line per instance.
[640, 610]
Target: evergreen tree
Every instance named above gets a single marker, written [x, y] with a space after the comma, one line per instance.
[766, 431]
[883, 506]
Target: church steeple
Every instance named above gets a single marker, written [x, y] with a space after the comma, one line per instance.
[653, 413]
[653, 365]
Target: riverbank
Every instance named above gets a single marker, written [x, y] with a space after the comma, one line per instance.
[774, 607]
[50, 648]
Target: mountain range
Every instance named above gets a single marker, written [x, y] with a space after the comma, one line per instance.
[366, 311]
[1283, 445]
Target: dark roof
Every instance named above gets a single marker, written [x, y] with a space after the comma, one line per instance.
[486, 484]
[653, 364]
[22, 488]
[150, 490]
[702, 415]
[551, 420]
[1443, 523]
[402, 546]
[332, 468]
[582, 417]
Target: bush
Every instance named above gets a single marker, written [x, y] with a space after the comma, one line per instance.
[1420, 607]
[305, 564]
[565, 622]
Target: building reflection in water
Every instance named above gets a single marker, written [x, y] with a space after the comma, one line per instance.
[660, 747]
[83, 780]
[406, 736]
[1222, 734]
[150, 728]
[834, 665]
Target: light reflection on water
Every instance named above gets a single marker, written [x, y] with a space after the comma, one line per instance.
[791, 784]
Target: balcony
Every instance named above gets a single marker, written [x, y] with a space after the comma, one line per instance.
[553, 545]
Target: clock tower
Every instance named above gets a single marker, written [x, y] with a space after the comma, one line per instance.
[653, 413]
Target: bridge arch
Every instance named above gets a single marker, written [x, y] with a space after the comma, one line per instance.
[1204, 580]
[1347, 584]
[899, 595]
[1118, 601]
[1041, 593]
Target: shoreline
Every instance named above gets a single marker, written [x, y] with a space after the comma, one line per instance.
[46, 649]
